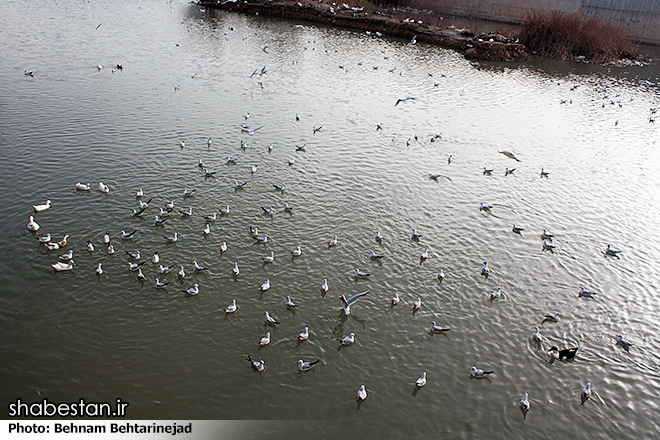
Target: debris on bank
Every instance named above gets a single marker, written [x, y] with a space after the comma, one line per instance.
[493, 47]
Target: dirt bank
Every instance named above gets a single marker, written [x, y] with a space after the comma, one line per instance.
[370, 19]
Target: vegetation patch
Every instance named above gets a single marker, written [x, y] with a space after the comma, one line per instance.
[573, 37]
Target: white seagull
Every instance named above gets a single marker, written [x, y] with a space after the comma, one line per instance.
[59, 266]
[537, 335]
[111, 249]
[305, 366]
[348, 340]
[155, 258]
[198, 268]
[304, 335]
[586, 392]
[437, 329]
[610, 251]
[296, 252]
[66, 257]
[99, 269]
[223, 246]
[160, 285]
[289, 303]
[269, 258]
[103, 188]
[39, 208]
[422, 380]
[257, 365]
[622, 341]
[346, 304]
[265, 340]
[417, 304]
[265, 286]
[441, 275]
[333, 242]
[83, 186]
[324, 286]
[485, 270]
[395, 299]
[524, 403]
[479, 373]
[45, 238]
[270, 320]
[182, 272]
[33, 226]
[194, 290]
[360, 274]
[90, 246]
[231, 308]
[361, 394]
[495, 293]
[585, 292]
[235, 271]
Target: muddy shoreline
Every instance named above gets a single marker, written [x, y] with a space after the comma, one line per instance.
[492, 47]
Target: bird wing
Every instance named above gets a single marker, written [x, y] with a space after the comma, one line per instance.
[353, 298]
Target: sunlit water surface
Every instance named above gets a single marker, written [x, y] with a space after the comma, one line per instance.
[73, 334]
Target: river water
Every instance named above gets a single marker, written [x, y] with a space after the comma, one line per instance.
[188, 75]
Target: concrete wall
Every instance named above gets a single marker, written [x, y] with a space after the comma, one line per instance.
[639, 19]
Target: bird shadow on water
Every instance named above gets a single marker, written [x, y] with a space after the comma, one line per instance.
[415, 391]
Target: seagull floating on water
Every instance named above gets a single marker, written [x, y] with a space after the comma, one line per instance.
[415, 235]
[585, 394]
[182, 272]
[269, 258]
[39, 208]
[111, 249]
[395, 299]
[485, 270]
[361, 394]
[134, 266]
[194, 290]
[267, 211]
[484, 207]
[223, 246]
[270, 320]
[360, 274]
[424, 255]
[417, 304]
[140, 275]
[155, 258]
[333, 242]
[516, 229]
[263, 239]
[33, 226]
[235, 271]
[257, 365]
[487, 172]
[348, 340]
[546, 236]
[296, 252]
[585, 292]
[524, 403]
[544, 173]
[66, 257]
[45, 239]
[265, 286]
[304, 335]
[231, 308]
[127, 235]
[324, 286]
[83, 186]
[225, 210]
[188, 192]
[622, 341]
[143, 205]
[99, 269]
[375, 256]
[378, 236]
[172, 239]
[441, 275]
[509, 171]
[563, 354]
[103, 188]
[198, 268]
[346, 304]
[305, 366]
[207, 229]
[265, 340]
[610, 251]
[537, 335]
[421, 381]
[165, 269]
[59, 266]
[548, 246]
[437, 329]
[134, 255]
[509, 154]
[495, 294]
[479, 373]
[160, 285]
[554, 317]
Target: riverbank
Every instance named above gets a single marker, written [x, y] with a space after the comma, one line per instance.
[369, 18]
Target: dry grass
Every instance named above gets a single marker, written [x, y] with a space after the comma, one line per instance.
[572, 36]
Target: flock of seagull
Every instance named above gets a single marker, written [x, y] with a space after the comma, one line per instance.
[67, 263]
